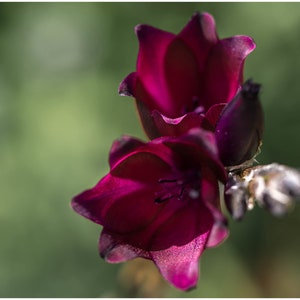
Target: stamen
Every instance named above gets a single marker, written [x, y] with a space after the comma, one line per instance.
[179, 188]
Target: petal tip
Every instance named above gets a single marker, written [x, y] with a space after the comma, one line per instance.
[203, 16]
[247, 42]
[250, 42]
[126, 87]
[200, 34]
[185, 283]
[138, 28]
[141, 30]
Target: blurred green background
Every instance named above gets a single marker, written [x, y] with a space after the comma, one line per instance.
[60, 67]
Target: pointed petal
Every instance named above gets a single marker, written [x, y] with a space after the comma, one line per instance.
[219, 231]
[200, 35]
[121, 147]
[218, 235]
[224, 69]
[93, 203]
[124, 200]
[154, 157]
[127, 86]
[182, 77]
[179, 265]
[179, 262]
[147, 121]
[178, 243]
[153, 44]
[211, 198]
[114, 251]
[121, 206]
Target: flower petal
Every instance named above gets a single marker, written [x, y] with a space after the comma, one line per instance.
[200, 35]
[127, 86]
[124, 200]
[121, 206]
[218, 234]
[211, 198]
[179, 126]
[153, 44]
[214, 112]
[155, 158]
[224, 69]
[198, 148]
[114, 251]
[179, 263]
[147, 121]
[121, 147]
[176, 247]
[182, 77]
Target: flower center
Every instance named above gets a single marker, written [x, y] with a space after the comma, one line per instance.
[195, 106]
[179, 188]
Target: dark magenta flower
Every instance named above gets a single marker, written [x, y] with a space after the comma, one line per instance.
[183, 81]
[160, 201]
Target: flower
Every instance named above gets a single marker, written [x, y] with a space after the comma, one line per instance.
[183, 81]
[160, 201]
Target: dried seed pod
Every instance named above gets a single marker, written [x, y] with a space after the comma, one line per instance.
[275, 187]
[236, 196]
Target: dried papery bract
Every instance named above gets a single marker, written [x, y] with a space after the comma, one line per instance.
[236, 196]
[275, 187]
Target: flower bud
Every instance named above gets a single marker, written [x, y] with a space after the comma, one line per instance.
[240, 128]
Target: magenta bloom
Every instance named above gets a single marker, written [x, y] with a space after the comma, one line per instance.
[160, 201]
[183, 81]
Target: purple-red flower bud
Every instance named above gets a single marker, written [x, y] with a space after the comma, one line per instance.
[240, 127]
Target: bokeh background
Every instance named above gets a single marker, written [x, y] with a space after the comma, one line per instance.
[60, 67]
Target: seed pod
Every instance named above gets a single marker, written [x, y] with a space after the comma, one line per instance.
[240, 127]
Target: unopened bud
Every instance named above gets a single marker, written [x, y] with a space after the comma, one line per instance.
[240, 128]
